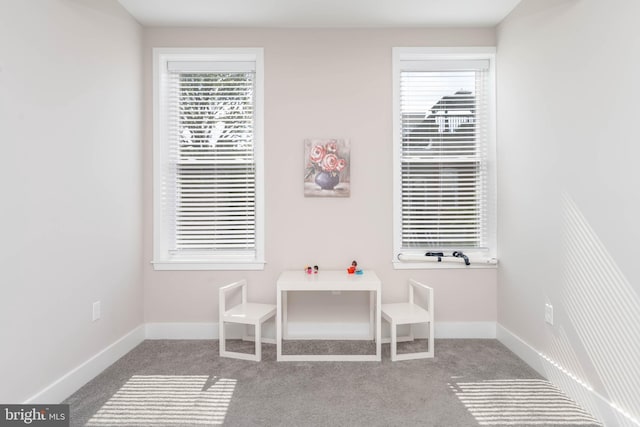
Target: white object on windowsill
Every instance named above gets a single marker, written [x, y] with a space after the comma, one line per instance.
[447, 259]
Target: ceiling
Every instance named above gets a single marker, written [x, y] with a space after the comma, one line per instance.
[320, 13]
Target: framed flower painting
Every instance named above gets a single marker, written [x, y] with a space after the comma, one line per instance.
[327, 166]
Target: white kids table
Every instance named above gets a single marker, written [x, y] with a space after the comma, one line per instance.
[329, 281]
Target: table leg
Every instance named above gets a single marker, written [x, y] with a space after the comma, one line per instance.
[278, 325]
[285, 318]
[372, 331]
[378, 324]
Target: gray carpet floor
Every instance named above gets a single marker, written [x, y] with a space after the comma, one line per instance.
[185, 383]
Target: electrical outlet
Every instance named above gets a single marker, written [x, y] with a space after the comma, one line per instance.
[548, 313]
[96, 310]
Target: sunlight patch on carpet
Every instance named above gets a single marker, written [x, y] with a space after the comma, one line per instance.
[520, 402]
[167, 400]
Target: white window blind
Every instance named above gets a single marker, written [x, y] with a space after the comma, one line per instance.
[443, 145]
[212, 162]
[209, 195]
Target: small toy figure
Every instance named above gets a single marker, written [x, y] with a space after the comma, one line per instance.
[308, 269]
[315, 269]
[353, 267]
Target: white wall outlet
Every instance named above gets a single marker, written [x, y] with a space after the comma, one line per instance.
[548, 313]
[96, 310]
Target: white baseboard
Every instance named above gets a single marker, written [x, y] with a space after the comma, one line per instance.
[182, 331]
[337, 331]
[461, 330]
[69, 383]
[311, 330]
[591, 400]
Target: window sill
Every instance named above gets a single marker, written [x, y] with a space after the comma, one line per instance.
[417, 262]
[399, 265]
[206, 265]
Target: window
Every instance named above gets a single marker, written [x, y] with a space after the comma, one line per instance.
[444, 155]
[208, 167]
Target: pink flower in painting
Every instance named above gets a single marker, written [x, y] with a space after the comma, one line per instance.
[325, 159]
[317, 153]
[330, 162]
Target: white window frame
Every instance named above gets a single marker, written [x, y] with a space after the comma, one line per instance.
[404, 258]
[163, 259]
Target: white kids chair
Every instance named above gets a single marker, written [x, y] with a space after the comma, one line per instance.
[409, 313]
[246, 313]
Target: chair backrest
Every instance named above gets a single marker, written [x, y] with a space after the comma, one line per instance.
[414, 284]
[222, 293]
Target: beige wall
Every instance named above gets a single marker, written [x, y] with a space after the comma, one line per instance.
[568, 192]
[70, 130]
[318, 83]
